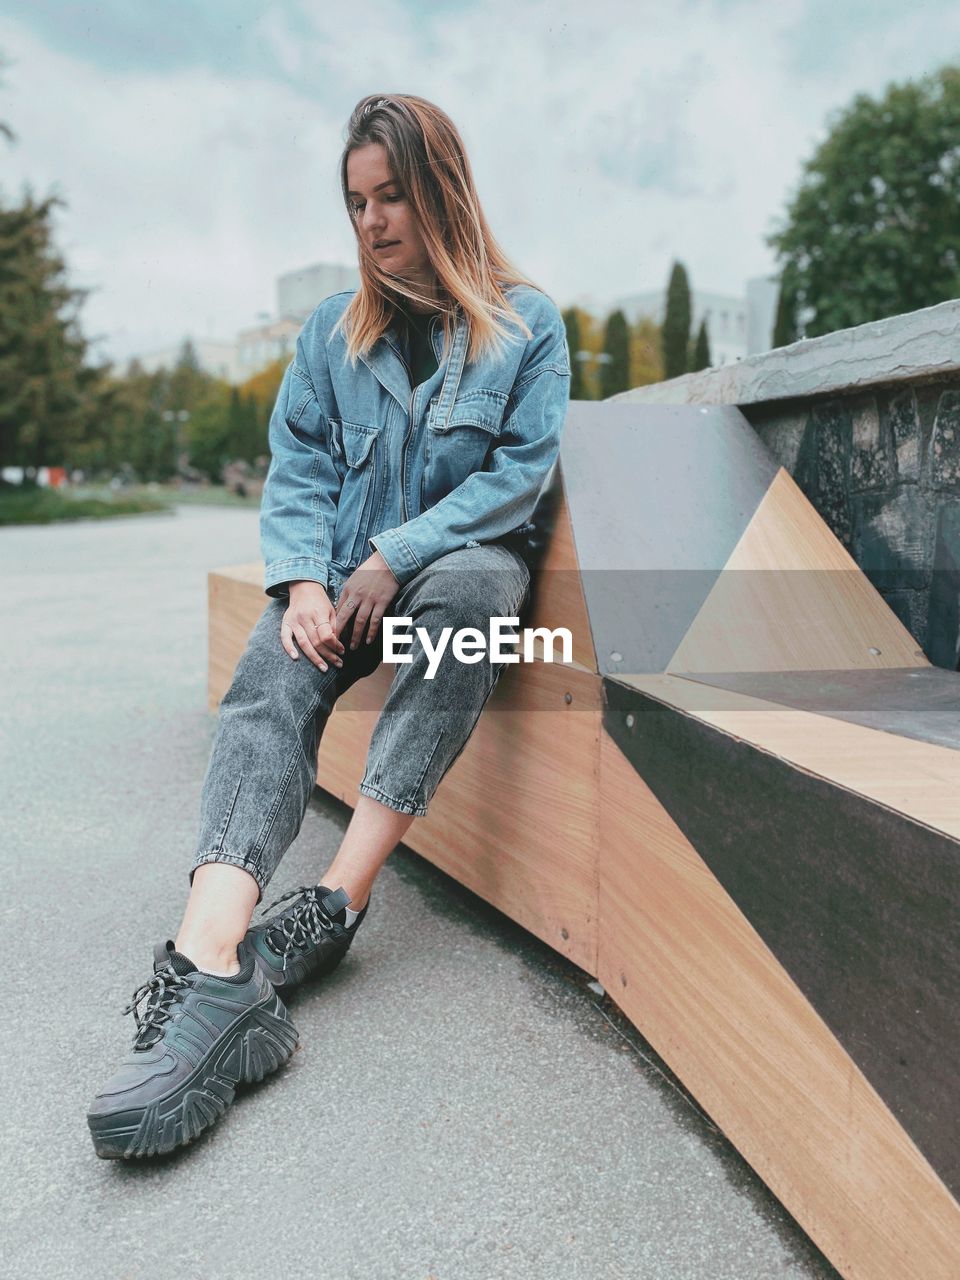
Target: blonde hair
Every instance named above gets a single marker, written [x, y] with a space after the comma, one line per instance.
[427, 157]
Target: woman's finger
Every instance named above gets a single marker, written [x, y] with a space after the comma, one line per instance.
[374, 624]
[286, 639]
[345, 608]
[303, 640]
[360, 621]
[326, 642]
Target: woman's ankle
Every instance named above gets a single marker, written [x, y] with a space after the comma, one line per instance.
[359, 893]
[211, 958]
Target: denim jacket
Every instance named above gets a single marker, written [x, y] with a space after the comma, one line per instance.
[360, 460]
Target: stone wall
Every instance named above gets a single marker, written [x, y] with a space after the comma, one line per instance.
[868, 422]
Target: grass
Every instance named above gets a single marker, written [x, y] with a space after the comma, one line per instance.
[30, 504]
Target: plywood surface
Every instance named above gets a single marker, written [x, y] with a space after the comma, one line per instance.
[558, 590]
[918, 779]
[791, 598]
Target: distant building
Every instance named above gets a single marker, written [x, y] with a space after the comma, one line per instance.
[726, 318]
[298, 292]
[762, 295]
[219, 359]
[261, 344]
[736, 327]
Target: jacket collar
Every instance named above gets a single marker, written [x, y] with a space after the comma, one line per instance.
[386, 363]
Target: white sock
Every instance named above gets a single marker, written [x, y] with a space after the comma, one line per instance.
[351, 916]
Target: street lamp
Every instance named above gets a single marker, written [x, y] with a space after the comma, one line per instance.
[178, 416]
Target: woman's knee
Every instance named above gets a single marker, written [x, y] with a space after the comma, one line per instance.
[266, 676]
[468, 590]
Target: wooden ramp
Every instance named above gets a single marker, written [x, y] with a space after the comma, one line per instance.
[739, 808]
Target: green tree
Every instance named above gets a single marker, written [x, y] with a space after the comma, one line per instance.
[874, 227]
[255, 442]
[676, 323]
[615, 372]
[571, 321]
[785, 327]
[646, 357]
[210, 432]
[700, 356]
[46, 387]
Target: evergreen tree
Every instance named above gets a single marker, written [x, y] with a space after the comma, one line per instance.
[615, 372]
[571, 320]
[700, 358]
[676, 323]
[45, 386]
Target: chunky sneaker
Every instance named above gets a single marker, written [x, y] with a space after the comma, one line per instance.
[306, 939]
[198, 1036]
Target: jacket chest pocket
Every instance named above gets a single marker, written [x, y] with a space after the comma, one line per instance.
[354, 449]
[457, 446]
[352, 444]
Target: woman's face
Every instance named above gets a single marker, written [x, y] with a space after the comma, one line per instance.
[384, 215]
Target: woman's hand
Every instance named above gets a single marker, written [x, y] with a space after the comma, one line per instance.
[365, 598]
[311, 621]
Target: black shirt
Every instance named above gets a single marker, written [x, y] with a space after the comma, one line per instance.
[414, 328]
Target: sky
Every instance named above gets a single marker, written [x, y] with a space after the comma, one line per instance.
[196, 142]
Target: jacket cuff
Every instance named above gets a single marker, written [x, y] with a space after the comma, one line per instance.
[279, 573]
[401, 561]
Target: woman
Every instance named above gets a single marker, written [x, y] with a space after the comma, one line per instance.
[403, 477]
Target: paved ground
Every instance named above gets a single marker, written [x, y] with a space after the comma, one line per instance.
[463, 1106]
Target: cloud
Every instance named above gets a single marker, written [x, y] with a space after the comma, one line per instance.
[200, 160]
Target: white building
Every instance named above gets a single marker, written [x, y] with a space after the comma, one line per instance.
[726, 318]
[261, 344]
[762, 295]
[736, 327]
[298, 293]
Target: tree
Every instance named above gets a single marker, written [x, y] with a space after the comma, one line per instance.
[244, 437]
[45, 385]
[874, 227]
[700, 357]
[210, 429]
[260, 395]
[785, 326]
[254, 437]
[646, 357]
[264, 385]
[587, 337]
[676, 323]
[571, 321]
[615, 372]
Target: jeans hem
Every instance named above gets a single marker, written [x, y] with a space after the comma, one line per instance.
[400, 806]
[233, 861]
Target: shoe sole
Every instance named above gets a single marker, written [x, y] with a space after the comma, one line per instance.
[259, 1042]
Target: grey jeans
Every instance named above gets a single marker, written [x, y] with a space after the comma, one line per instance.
[263, 765]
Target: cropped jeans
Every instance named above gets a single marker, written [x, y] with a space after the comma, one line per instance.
[263, 764]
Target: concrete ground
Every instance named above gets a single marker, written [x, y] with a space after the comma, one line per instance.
[463, 1105]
